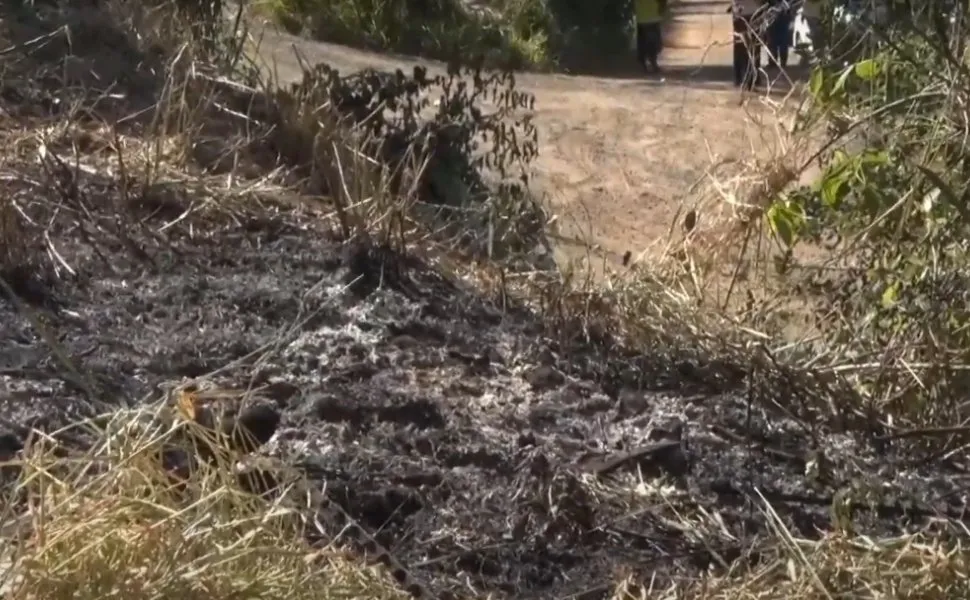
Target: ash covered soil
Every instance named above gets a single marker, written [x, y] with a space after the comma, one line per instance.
[473, 446]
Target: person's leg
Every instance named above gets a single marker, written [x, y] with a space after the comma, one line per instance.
[653, 44]
[755, 47]
[770, 43]
[774, 41]
[642, 45]
[817, 34]
[784, 35]
[740, 52]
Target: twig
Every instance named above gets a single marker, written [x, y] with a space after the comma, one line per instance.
[34, 42]
[923, 432]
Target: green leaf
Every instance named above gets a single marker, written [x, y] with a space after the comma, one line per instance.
[840, 158]
[890, 295]
[785, 219]
[867, 162]
[839, 86]
[831, 188]
[874, 157]
[816, 83]
[781, 225]
[867, 69]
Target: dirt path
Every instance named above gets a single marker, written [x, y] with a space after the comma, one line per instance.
[618, 154]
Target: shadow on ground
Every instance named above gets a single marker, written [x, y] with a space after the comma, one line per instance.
[702, 76]
[773, 81]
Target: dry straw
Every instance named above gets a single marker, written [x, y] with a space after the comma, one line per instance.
[107, 522]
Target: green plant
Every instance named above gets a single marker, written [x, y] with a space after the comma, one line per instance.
[502, 33]
[435, 28]
[892, 204]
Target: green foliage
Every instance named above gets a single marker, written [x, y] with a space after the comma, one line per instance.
[439, 29]
[892, 201]
[581, 29]
[501, 33]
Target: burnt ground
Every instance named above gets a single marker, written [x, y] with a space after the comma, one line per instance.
[465, 438]
[480, 448]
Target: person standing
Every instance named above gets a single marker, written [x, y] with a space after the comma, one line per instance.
[780, 32]
[747, 41]
[812, 13]
[650, 15]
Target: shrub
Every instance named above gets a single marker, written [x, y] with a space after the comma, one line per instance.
[434, 28]
[504, 33]
[892, 202]
[439, 164]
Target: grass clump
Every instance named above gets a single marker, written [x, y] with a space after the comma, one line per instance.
[107, 522]
[911, 566]
[890, 203]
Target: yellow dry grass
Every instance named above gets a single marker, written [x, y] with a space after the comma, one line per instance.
[108, 523]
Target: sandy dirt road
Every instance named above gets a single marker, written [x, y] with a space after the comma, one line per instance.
[618, 153]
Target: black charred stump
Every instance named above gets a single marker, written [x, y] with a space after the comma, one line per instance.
[372, 266]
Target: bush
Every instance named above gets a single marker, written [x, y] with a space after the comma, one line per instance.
[438, 29]
[505, 33]
[892, 201]
[604, 26]
[429, 168]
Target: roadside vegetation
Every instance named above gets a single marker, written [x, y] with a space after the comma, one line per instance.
[91, 512]
[890, 208]
[513, 34]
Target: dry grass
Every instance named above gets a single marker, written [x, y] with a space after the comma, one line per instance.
[108, 523]
[716, 286]
[929, 564]
[717, 291]
[915, 566]
[710, 292]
